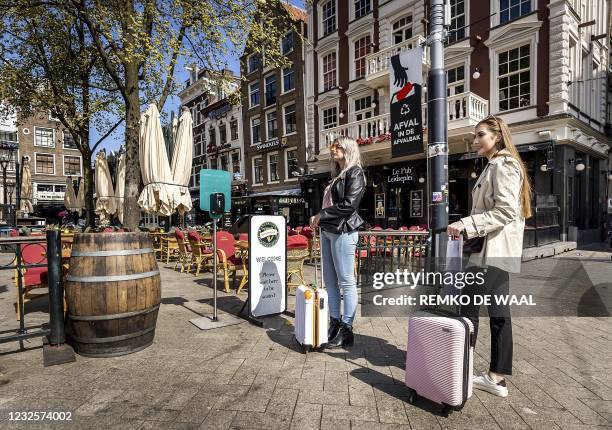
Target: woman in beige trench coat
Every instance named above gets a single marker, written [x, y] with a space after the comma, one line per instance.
[501, 200]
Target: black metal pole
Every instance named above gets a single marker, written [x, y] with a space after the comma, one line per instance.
[4, 185]
[56, 289]
[437, 120]
[19, 175]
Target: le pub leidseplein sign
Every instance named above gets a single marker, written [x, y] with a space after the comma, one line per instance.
[406, 116]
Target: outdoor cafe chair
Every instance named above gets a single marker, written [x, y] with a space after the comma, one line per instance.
[32, 277]
[169, 248]
[297, 253]
[200, 253]
[228, 261]
[184, 251]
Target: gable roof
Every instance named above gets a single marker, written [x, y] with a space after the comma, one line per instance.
[297, 13]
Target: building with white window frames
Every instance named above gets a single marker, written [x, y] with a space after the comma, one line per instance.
[541, 66]
[53, 156]
[221, 133]
[274, 125]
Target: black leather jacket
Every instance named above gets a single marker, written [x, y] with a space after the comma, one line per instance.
[343, 216]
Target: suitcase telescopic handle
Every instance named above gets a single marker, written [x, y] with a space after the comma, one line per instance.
[317, 234]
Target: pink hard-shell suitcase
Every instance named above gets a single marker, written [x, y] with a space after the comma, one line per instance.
[439, 358]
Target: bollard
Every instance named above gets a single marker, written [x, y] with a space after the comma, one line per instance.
[56, 289]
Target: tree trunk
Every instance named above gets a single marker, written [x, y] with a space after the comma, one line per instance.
[131, 210]
[88, 179]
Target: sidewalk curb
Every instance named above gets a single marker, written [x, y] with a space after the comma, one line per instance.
[547, 250]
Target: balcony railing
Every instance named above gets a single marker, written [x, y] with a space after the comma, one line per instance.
[364, 129]
[378, 63]
[465, 106]
[464, 109]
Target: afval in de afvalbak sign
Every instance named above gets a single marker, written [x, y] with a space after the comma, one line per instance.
[406, 117]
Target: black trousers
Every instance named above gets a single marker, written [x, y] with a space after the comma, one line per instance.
[497, 282]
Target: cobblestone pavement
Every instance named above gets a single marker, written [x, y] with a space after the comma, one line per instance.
[249, 377]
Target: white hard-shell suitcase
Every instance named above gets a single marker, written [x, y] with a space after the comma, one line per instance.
[311, 315]
[440, 358]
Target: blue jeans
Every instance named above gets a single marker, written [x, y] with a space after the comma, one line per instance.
[338, 260]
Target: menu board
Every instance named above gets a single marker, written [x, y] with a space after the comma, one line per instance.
[267, 265]
[416, 203]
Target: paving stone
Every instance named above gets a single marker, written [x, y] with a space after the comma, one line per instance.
[335, 424]
[247, 403]
[363, 413]
[263, 421]
[324, 397]
[218, 420]
[306, 416]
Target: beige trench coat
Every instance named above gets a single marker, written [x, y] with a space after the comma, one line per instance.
[497, 214]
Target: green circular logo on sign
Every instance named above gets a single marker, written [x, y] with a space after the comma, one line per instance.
[268, 234]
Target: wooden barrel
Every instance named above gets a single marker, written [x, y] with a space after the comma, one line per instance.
[113, 291]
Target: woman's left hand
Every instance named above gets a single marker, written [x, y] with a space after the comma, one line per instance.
[455, 229]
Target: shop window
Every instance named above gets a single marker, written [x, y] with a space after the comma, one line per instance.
[514, 78]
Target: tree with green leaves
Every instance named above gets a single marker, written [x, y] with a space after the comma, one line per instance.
[140, 43]
[49, 64]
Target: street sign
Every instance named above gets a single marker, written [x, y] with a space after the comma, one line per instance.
[406, 116]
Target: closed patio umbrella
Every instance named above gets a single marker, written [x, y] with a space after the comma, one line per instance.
[182, 159]
[80, 197]
[156, 195]
[69, 197]
[105, 204]
[26, 188]
[120, 186]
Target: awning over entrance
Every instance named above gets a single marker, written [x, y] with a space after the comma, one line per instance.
[288, 192]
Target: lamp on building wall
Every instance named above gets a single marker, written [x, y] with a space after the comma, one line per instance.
[341, 114]
[544, 167]
[578, 164]
[473, 175]
[421, 180]
[476, 73]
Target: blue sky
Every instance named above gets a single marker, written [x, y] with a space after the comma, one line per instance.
[114, 141]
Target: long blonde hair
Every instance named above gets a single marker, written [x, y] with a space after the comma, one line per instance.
[352, 156]
[497, 125]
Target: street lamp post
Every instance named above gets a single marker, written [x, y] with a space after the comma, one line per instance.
[10, 189]
[6, 156]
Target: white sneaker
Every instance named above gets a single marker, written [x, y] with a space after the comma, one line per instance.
[485, 383]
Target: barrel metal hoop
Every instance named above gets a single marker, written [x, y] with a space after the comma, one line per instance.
[112, 316]
[111, 253]
[112, 339]
[112, 278]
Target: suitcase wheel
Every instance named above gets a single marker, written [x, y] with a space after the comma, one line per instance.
[412, 397]
[305, 349]
[445, 411]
